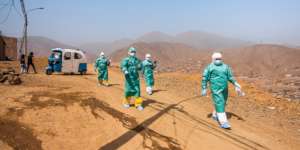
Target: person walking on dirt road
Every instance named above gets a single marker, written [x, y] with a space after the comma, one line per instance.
[30, 62]
[147, 70]
[101, 65]
[22, 64]
[131, 66]
[218, 74]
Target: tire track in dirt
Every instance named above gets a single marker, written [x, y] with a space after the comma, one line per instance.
[227, 133]
[245, 142]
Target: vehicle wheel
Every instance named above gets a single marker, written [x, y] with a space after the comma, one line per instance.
[82, 72]
[48, 72]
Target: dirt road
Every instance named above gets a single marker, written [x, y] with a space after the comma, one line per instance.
[70, 112]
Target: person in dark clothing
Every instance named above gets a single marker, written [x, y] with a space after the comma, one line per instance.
[30, 62]
[22, 63]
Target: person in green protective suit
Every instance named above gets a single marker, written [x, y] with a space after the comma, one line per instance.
[147, 70]
[51, 60]
[131, 66]
[218, 74]
[101, 65]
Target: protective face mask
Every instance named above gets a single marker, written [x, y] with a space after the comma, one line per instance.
[132, 54]
[148, 58]
[218, 62]
[56, 56]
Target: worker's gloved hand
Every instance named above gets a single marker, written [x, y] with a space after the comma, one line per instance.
[126, 72]
[204, 92]
[238, 89]
[237, 85]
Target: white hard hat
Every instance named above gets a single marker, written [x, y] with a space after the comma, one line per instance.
[216, 55]
[148, 56]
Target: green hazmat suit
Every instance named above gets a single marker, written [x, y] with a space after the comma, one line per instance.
[51, 59]
[131, 66]
[218, 77]
[101, 65]
[147, 71]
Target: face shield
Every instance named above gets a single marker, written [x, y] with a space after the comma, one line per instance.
[218, 61]
[132, 53]
[148, 57]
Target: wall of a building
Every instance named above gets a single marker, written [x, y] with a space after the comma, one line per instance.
[8, 47]
[2, 48]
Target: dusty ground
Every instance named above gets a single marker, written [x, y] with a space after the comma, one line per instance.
[71, 112]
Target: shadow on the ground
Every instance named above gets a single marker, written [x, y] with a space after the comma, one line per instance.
[151, 138]
[158, 90]
[18, 135]
[76, 74]
[147, 102]
[114, 84]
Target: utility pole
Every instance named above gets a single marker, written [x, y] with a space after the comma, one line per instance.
[25, 37]
[25, 28]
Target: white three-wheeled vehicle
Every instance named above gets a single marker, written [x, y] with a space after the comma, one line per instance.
[66, 61]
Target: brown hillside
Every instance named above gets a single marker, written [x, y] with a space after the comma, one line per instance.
[171, 56]
[275, 68]
[72, 112]
[265, 60]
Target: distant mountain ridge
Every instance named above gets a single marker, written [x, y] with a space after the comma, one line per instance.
[195, 39]
[41, 45]
[205, 40]
[166, 53]
[267, 60]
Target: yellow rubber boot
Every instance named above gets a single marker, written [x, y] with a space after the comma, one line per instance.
[138, 103]
[100, 82]
[105, 82]
[126, 102]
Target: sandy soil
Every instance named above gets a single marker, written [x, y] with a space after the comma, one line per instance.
[71, 112]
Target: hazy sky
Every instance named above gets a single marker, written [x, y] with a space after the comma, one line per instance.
[81, 21]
